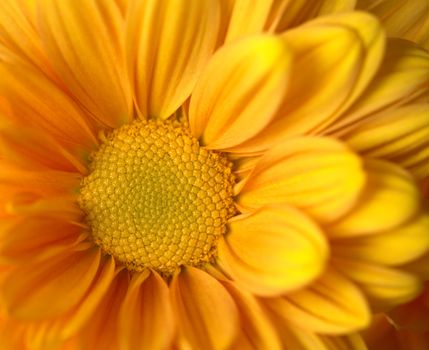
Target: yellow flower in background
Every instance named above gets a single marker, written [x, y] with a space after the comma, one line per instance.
[206, 174]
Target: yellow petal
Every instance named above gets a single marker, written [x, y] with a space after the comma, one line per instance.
[60, 282]
[273, 251]
[347, 342]
[300, 11]
[402, 78]
[146, 318]
[319, 175]
[402, 18]
[338, 55]
[331, 305]
[251, 17]
[168, 44]
[400, 135]
[239, 91]
[257, 331]
[390, 199]
[206, 314]
[84, 42]
[399, 246]
[384, 287]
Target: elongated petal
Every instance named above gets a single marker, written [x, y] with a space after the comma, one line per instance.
[84, 42]
[402, 78]
[257, 330]
[38, 103]
[146, 318]
[331, 305]
[397, 247]
[402, 18]
[347, 342]
[68, 276]
[400, 135]
[273, 251]
[339, 55]
[239, 91]
[206, 313]
[383, 286]
[319, 175]
[168, 44]
[390, 199]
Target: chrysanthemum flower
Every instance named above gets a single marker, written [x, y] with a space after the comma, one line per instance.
[173, 179]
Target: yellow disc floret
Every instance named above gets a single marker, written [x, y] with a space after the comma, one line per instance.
[155, 199]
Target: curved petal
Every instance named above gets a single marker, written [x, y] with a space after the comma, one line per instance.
[84, 42]
[146, 317]
[330, 305]
[239, 91]
[390, 199]
[400, 135]
[207, 315]
[168, 44]
[400, 246]
[339, 56]
[273, 259]
[319, 175]
[384, 287]
[402, 78]
[60, 282]
[257, 330]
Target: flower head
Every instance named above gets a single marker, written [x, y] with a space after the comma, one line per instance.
[177, 175]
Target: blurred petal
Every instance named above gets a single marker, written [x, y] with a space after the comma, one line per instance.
[206, 313]
[239, 91]
[60, 282]
[402, 245]
[85, 44]
[272, 259]
[331, 305]
[168, 44]
[146, 318]
[400, 135]
[319, 175]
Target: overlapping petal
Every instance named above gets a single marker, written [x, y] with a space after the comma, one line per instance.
[168, 44]
[273, 251]
[84, 43]
[319, 175]
[200, 302]
[239, 91]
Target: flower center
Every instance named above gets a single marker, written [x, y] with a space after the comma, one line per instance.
[155, 199]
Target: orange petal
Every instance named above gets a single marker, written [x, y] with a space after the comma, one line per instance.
[60, 282]
[36, 103]
[276, 258]
[168, 44]
[35, 239]
[84, 42]
[146, 318]
[206, 313]
[319, 175]
[390, 199]
[257, 331]
[331, 305]
[239, 91]
[101, 331]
